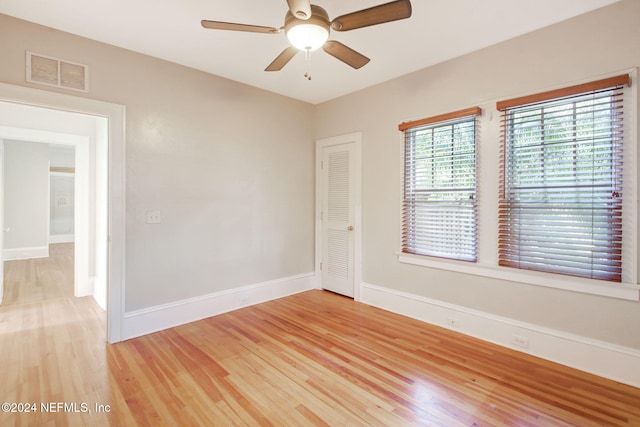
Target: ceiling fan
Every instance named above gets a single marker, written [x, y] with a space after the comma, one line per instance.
[307, 28]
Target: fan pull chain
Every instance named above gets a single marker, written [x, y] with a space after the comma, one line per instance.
[307, 58]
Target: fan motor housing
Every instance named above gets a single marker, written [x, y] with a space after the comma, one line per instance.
[319, 16]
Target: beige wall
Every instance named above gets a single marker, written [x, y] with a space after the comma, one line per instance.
[26, 195]
[600, 43]
[229, 166]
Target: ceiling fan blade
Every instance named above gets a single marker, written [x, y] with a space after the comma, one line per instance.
[345, 54]
[217, 25]
[282, 59]
[301, 9]
[393, 11]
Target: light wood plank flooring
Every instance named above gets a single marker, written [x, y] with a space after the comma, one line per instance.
[311, 359]
[40, 279]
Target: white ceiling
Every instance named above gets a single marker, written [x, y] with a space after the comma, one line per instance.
[169, 29]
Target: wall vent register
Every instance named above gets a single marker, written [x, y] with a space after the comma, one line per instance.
[50, 71]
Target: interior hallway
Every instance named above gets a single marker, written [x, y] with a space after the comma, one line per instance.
[40, 279]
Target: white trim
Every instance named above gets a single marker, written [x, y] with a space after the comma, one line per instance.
[355, 138]
[81, 220]
[628, 291]
[49, 202]
[601, 358]
[98, 291]
[486, 187]
[157, 318]
[61, 238]
[26, 253]
[116, 182]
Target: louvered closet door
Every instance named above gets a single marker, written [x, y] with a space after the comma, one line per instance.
[338, 219]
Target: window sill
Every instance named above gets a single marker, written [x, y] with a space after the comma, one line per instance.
[627, 291]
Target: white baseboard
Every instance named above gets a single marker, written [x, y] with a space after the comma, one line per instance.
[99, 292]
[597, 357]
[61, 238]
[153, 319]
[26, 253]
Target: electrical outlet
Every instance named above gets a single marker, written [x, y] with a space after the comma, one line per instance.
[154, 217]
[520, 341]
[454, 323]
[243, 298]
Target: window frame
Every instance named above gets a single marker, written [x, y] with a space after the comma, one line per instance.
[408, 238]
[487, 182]
[555, 164]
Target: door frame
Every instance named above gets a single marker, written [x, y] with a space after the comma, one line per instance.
[350, 138]
[113, 137]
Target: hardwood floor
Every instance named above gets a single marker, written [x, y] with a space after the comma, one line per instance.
[313, 358]
[40, 279]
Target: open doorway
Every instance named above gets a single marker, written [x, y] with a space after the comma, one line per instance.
[39, 222]
[96, 130]
[26, 164]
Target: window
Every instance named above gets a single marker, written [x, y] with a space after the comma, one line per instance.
[561, 192]
[439, 203]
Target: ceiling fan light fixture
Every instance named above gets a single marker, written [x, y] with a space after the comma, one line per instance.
[310, 34]
[308, 27]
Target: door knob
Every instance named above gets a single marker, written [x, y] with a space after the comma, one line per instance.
[350, 228]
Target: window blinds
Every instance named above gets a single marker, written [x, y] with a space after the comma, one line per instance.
[439, 203]
[561, 190]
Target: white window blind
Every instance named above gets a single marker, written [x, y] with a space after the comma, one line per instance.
[561, 184]
[439, 203]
